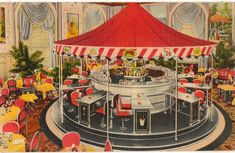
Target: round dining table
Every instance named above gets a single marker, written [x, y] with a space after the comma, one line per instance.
[9, 114]
[17, 143]
[44, 88]
[29, 97]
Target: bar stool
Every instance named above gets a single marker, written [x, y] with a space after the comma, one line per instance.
[123, 114]
[102, 111]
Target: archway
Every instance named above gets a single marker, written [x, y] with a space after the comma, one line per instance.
[201, 14]
[47, 48]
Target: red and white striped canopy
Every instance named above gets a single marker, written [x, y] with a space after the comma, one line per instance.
[133, 28]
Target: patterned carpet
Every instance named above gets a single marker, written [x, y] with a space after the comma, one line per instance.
[45, 144]
[48, 146]
[229, 144]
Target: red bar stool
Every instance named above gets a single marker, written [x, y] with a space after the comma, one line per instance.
[123, 114]
[89, 91]
[182, 89]
[102, 111]
[126, 105]
[68, 82]
[197, 81]
[200, 94]
[183, 81]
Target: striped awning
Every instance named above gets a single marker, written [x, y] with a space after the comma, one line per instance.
[140, 52]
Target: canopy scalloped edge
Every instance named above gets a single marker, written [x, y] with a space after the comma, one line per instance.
[141, 52]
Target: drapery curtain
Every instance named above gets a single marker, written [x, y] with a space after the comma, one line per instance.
[36, 13]
[93, 18]
[190, 13]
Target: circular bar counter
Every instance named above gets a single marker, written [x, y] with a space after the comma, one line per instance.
[154, 91]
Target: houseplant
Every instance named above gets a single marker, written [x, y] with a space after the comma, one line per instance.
[25, 64]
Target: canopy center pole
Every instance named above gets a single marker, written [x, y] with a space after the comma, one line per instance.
[211, 88]
[176, 101]
[61, 89]
[107, 98]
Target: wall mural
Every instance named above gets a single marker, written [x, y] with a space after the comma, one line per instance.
[72, 25]
[2, 25]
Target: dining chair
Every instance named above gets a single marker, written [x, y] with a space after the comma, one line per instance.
[49, 80]
[3, 97]
[12, 86]
[75, 70]
[11, 126]
[22, 120]
[70, 139]
[34, 142]
[20, 103]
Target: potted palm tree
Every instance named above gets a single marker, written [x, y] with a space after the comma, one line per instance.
[25, 64]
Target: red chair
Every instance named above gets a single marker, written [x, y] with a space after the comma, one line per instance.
[43, 75]
[183, 81]
[182, 90]
[126, 105]
[49, 80]
[74, 96]
[83, 82]
[22, 120]
[89, 91]
[33, 145]
[75, 70]
[85, 73]
[11, 126]
[123, 114]
[20, 103]
[108, 146]
[200, 94]
[28, 82]
[12, 85]
[197, 81]
[102, 111]
[3, 98]
[223, 75]
[68, 82]
[70, 139]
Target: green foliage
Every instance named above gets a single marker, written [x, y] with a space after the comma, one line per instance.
[169, 63]
[25, 64]
[67, 70]
[214, 9]
[223, 57]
